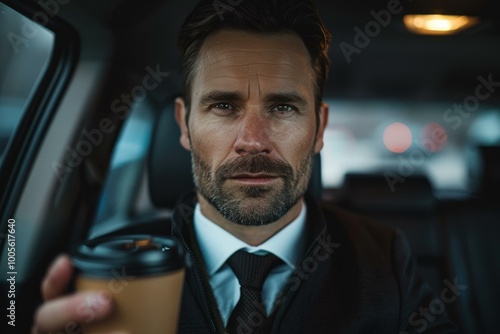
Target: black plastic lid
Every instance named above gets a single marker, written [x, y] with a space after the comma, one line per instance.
[133, 254]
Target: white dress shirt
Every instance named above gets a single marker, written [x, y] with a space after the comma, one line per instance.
[217, 245]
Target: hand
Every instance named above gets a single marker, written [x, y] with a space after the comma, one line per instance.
[61, 313]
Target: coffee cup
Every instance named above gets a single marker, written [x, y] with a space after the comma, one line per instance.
[144, 276]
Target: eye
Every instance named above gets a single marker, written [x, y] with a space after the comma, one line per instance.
[223, 106]
[223, 109]
[284, 109]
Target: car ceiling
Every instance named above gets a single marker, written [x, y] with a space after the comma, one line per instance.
[396, 65]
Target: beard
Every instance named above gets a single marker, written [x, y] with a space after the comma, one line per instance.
[252, 205]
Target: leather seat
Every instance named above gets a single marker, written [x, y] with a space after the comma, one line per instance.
[411, 208]
[473, 252]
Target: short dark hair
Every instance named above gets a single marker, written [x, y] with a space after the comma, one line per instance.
[259, 16]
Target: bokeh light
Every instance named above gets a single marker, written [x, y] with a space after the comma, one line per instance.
[485, 129]
[397, 137]
[433, 137]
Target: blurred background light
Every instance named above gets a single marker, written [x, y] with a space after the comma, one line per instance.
[485, 129]
[397, 137]
[433, 137]
[353, 140]
[438, 24]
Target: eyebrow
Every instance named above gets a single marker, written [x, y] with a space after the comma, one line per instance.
[279, 97]
[286, 97]
[219, 95]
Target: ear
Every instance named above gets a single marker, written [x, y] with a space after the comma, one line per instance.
[180, 117]
[323, 122]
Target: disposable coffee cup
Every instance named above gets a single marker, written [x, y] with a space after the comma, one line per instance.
[143, 274]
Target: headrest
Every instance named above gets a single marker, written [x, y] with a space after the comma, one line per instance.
[169, 165]
[489, 180]
[372, 193]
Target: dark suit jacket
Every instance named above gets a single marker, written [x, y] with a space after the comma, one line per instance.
[355, 277]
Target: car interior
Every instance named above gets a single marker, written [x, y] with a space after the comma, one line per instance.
[89, 145]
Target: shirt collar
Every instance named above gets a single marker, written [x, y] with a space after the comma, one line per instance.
[217, 245]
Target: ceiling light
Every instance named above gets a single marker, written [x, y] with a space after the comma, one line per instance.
[438, 24]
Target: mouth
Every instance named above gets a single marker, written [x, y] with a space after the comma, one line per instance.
[254, 179]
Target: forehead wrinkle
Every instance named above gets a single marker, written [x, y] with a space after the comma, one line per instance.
[253, 81]
[276, 76]
[261, 50]
[218, 60]
[229, 54]
[257, 51]
[241, 71]
[258, 83]
[259, 63]
[246, 75]
[255, 68]
[226, 63]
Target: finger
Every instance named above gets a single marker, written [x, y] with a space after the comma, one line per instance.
[62, 312]
[57, 278]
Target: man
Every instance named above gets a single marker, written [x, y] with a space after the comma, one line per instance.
[253, 119]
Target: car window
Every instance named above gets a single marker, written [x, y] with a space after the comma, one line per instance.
[25, 50]
[401, 140]
[123, 194]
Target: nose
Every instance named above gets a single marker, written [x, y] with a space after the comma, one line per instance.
[253, 134]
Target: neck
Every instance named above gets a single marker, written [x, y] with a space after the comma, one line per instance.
[252, 235]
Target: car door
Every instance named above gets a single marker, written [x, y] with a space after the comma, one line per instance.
[51, 81]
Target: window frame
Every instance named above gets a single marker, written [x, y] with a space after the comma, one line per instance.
[27, 138]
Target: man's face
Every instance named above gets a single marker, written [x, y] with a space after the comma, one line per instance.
[252, 124]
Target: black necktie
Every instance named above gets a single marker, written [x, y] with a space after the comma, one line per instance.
[249, 314]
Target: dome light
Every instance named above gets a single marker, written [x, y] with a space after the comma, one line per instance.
[438, 24]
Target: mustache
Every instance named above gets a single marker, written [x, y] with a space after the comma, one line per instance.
[254, 164]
